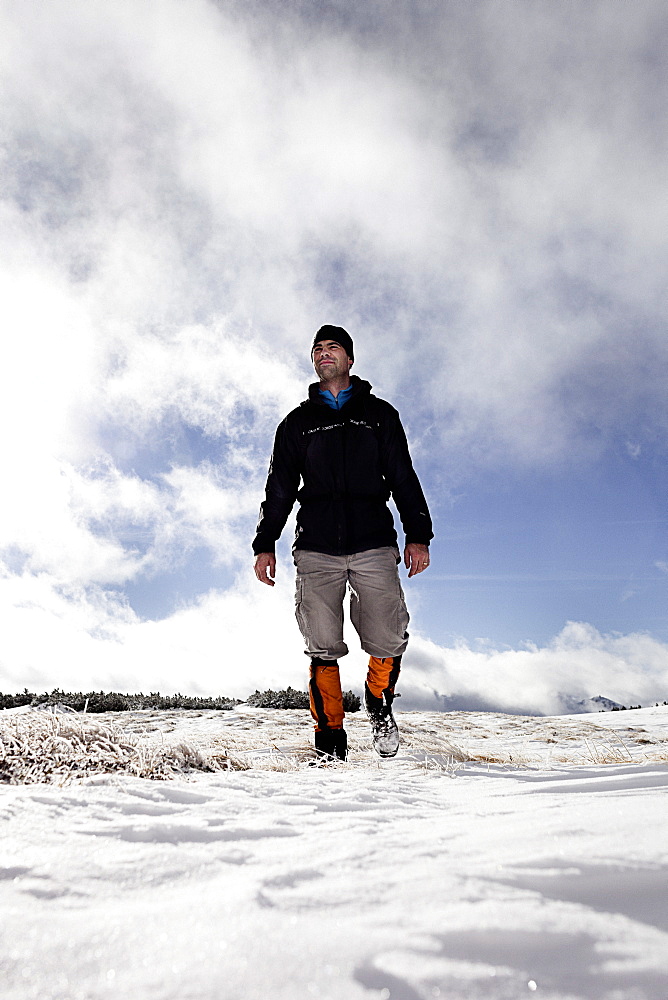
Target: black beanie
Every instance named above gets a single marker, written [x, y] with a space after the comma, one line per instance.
[338, 334]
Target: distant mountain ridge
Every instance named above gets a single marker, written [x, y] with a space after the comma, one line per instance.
[597, 704]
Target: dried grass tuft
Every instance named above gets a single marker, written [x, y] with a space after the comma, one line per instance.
[38, 747]
[606, 753]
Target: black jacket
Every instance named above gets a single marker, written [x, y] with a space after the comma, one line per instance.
[349, 461]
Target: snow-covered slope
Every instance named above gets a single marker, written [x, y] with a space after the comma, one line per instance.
[422, 877]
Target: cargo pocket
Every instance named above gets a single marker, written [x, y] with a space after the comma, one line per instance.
[403, 617]
[299, 610]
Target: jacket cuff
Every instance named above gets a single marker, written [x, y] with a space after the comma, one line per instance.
[262, 546]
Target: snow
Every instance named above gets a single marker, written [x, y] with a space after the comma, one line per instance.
[441, 873]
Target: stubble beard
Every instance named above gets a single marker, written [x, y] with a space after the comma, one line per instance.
[328, 372]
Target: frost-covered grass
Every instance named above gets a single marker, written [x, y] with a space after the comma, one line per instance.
[40, 747]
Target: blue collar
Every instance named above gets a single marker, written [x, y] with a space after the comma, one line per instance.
[336, 402]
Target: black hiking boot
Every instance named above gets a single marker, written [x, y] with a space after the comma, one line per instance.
[331, 744]
[383, 724]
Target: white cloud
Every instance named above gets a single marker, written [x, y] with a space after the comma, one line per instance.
[78, 638]
[206, 376]
[246, 638]
[507, 222]
[208, 512]
[576, 665]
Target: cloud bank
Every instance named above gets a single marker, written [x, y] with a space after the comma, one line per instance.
[578, 664]
[245, 638]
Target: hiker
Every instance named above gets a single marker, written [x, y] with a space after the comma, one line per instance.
[342, 453]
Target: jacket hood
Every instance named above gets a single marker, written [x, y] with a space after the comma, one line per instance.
[359, 386]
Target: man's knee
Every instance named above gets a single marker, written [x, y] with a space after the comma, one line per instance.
[320, 588]
[377, 604]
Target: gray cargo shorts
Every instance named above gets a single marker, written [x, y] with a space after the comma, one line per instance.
[377, 605]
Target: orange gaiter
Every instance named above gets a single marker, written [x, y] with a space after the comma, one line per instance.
[383, 674]
[325, 695]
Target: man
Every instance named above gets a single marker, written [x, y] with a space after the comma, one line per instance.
[347, 449]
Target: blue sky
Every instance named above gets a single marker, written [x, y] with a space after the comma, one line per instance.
[524, 555]
[475, 191]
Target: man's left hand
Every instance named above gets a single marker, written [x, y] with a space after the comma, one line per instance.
[416, 558]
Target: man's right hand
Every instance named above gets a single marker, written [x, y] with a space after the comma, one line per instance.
[265, 567]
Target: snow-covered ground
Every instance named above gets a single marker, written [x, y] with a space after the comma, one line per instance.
[496, 857]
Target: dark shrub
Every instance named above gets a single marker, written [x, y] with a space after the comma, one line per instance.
[290, 698]
[112, 701]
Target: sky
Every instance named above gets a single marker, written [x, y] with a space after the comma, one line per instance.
[475, 190]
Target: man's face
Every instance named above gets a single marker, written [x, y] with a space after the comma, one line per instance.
[330, 360]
